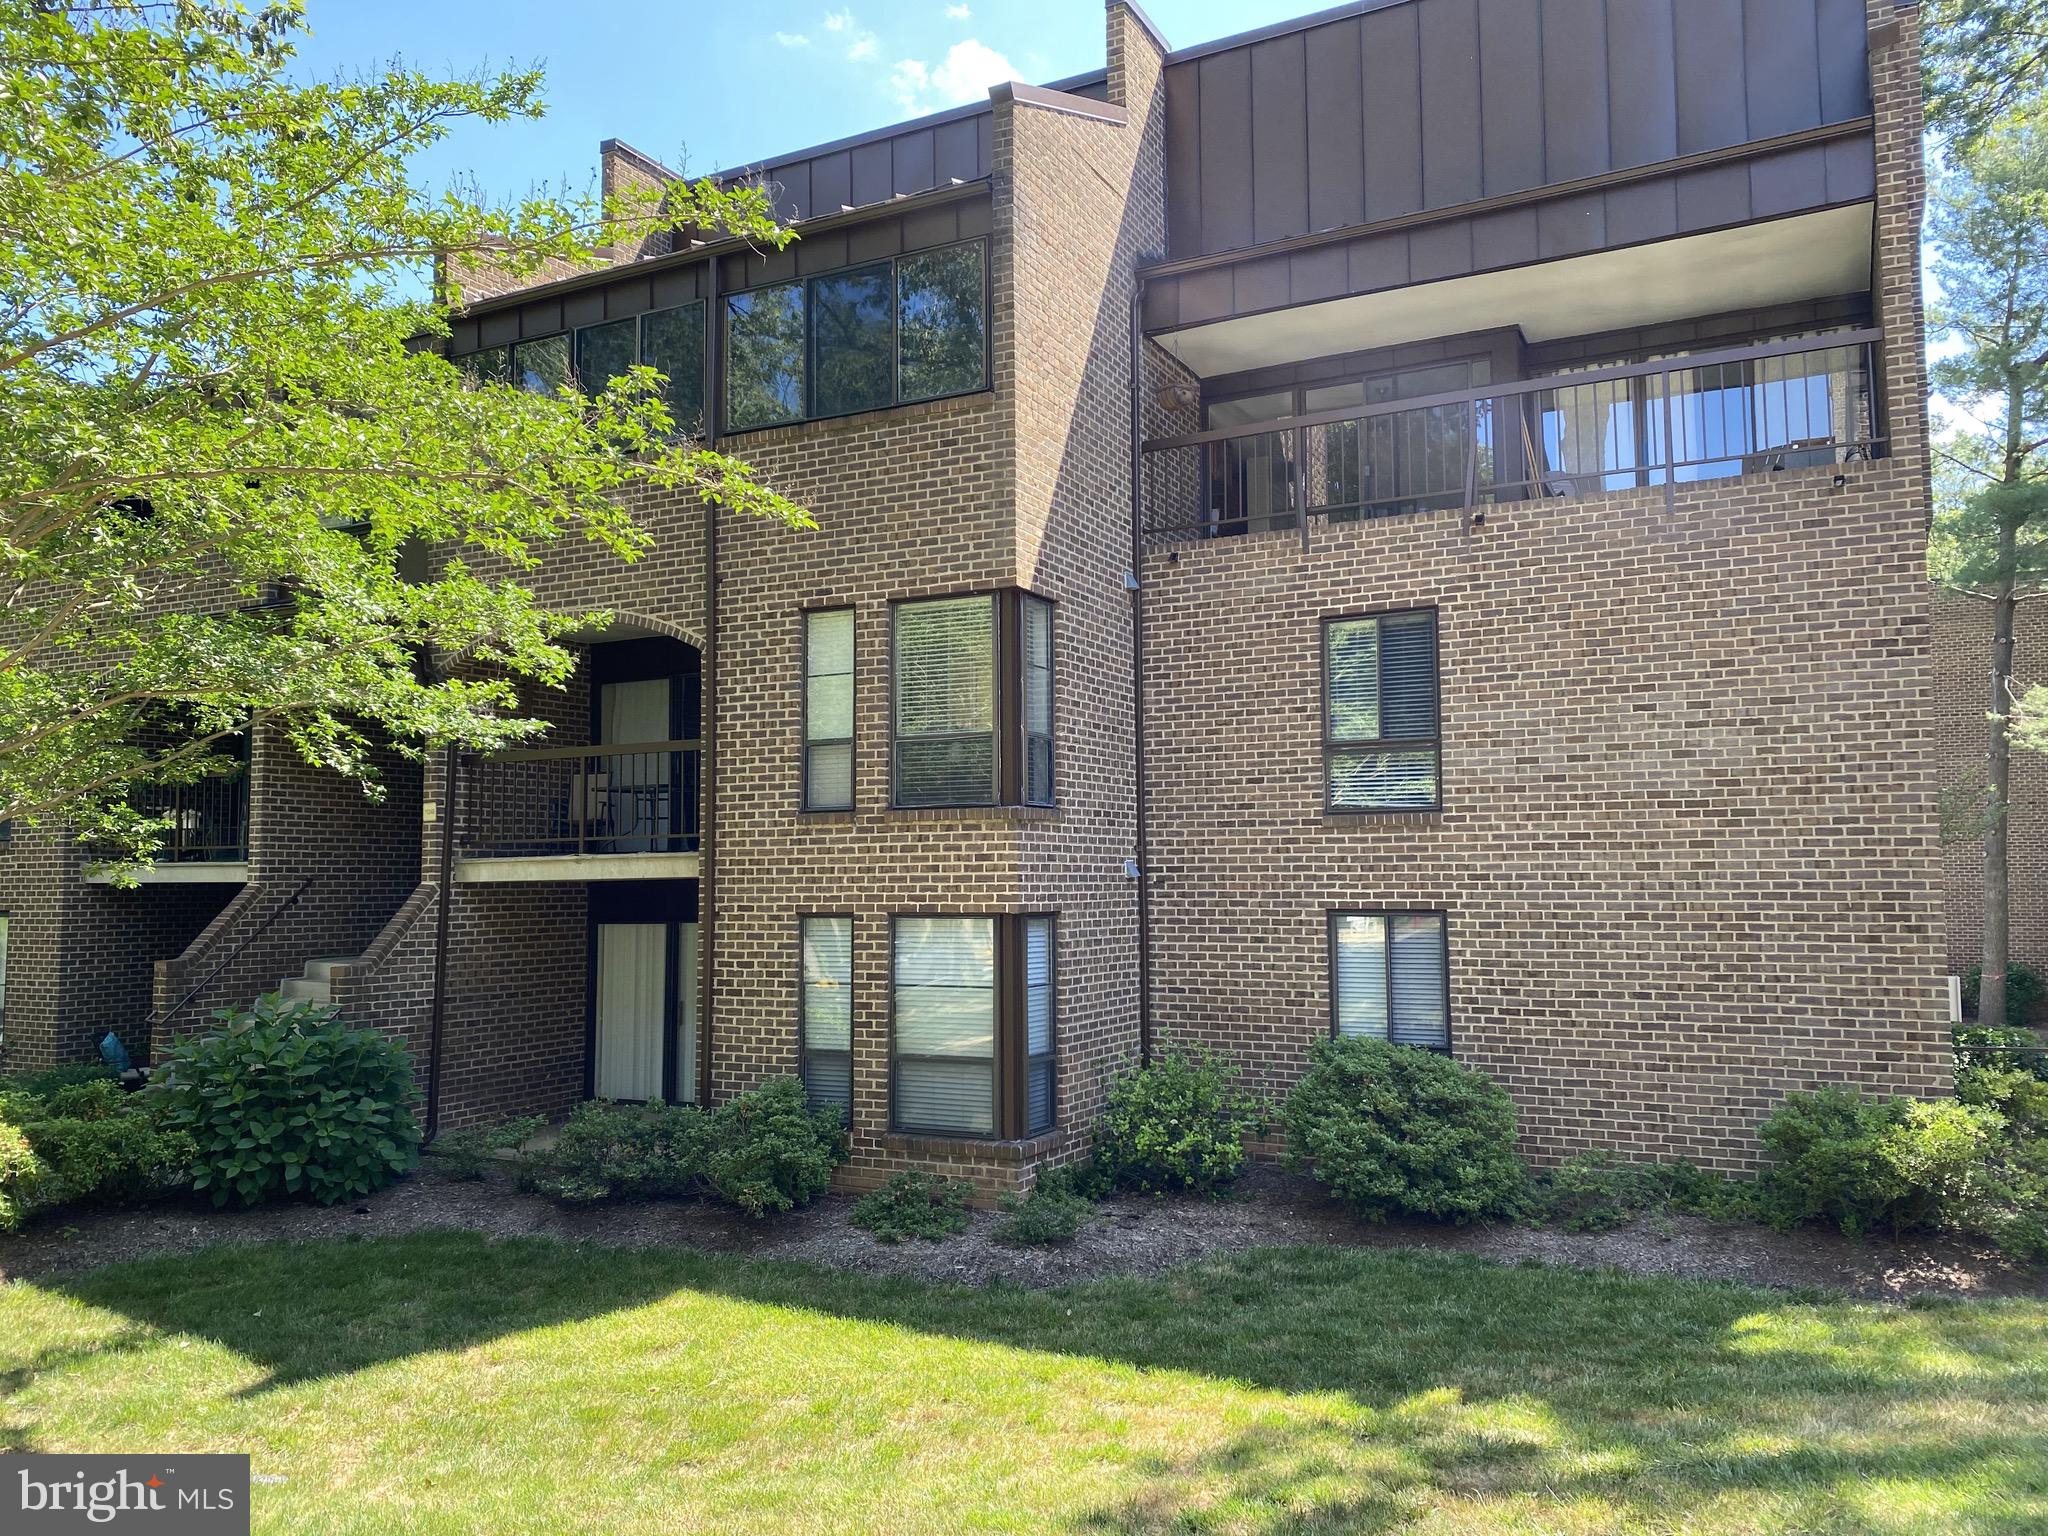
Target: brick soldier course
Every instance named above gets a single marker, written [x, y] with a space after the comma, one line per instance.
[1687, 844]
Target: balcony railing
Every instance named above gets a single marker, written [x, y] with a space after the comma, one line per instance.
[637, 797]
[1743, 411]
[209, 818]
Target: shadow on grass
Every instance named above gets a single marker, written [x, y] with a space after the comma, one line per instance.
[1456, 1378]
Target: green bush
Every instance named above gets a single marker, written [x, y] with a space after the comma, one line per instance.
[1866, 1164]
[1051, 1213]
[464, 1154]
[285, 1099]
[40, 1085]
[109, 1160]
[770, 1151]
[22, 1176]
[1089, 1181]
[2015, 1050]
[915, 1205]
[763, 1150]
[1393, 1130]
[2016, 1165]
[2024, 991]
[1176, 1125]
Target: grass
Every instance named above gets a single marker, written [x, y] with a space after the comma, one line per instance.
[446, 1383]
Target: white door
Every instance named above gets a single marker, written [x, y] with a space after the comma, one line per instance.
[632, 967]
[636, 809]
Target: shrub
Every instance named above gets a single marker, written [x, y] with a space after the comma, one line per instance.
[40, 1085]
[2024, 991]
[1869, 1163]
[1597, 1192]
[464, 1154]
[285, 1099]
[763, 1150]
[22, 1176]
[2015, 1050]
[1177, 1124]
[1392, 1130]
[1051, 1213]
[1090, 1181]
[770, 1151]
[108, 1159]
[915, 1205]
[2017, 1161]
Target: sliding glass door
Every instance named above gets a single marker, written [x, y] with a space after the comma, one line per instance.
[643, 991]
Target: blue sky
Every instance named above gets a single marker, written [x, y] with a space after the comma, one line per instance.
[728, 84]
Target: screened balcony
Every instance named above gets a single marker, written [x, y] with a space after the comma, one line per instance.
[1446, 436]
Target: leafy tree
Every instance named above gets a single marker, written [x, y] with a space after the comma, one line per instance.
[225, 420]
[1983, 59]
[1990, 226]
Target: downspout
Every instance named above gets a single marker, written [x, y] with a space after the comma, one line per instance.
[1137, 587]
[437, 1028]
[707, 724]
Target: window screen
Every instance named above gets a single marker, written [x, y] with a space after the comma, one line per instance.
[944, 683]
[828, 710]
[1039, 1029]
[827, 944]
[1380, 713]
[1388, 977]
[1037, 669]
[945, 1024]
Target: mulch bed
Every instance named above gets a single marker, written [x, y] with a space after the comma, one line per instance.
[1129, 1236]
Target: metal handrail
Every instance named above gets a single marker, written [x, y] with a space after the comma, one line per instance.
[156, 1021]
[599, 798]
[1516, 388]
[604, 749]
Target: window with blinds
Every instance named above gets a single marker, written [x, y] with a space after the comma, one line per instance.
[945, 1025]
[827, 1021]
[1381, 744]
[975, 1027]
[828, 709]
[1389, 977]
[972, 700]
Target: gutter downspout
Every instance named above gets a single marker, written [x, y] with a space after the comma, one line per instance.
[1138, 670]
[707, 725]
[438, 1027]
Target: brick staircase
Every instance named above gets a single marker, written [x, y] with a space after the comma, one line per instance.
[317, 984]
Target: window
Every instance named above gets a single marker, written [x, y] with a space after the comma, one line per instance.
[828, 710]
[672, 343]
[972, 682]
[1380, 744]
[1388, 977]
[827, 1022]
[491, 365]
[975, 1028]
[764, 356]
[890, 332]
[541, 367]
[603, 352]
[945, 1024]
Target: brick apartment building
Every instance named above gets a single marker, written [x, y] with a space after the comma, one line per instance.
[1406, 522]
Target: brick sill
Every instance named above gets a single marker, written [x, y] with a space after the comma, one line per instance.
[1349, 819]
[971, 1147]
[972, 813]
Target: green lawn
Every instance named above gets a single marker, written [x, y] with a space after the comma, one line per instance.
[445, 1383]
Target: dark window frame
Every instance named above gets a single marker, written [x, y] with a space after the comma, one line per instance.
[1011, 742]
[1333, 749]
[574, 336]
[1010, 1058]
[803, 1041]
[896, 401]
[1333, 916]
[851, 740]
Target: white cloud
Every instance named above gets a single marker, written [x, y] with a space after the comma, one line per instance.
[958, 12]
[839, 21]
[965, 74]
[864, 48]
[792, 40]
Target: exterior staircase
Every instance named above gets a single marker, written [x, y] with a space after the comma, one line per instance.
[317, 984]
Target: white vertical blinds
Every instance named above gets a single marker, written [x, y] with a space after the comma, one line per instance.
[1390, 977]
[945, 1006]
[827, 944]
[632, 967]
[944, 679]
[828, 710]
[686, 1013]
[1381, 712]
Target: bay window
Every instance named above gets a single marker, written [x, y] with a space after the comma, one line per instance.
[972, 700]
[974, 1029]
